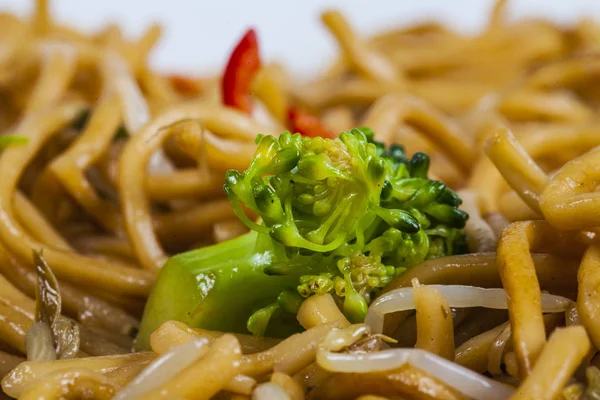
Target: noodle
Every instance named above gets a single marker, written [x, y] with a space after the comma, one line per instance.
[527, 178]
[559, 359]
[386, 113]
[406, 380]
[77, 383]
[474, 353]
[517, 273]
[110, 167]
[587, 297]
[19, 378]
[435, 330]
[133, 163]
[292, 388]
[317, 310]
[218, 366]
[369, 63]
[98, 271]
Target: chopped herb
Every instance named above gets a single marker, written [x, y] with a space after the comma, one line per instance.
[12, 140]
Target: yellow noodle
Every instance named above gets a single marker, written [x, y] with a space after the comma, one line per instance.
[241, 384]
[529, 105]
[159, 92]
[473, 353]
[28, 372]
[170, 334]
[216, 368]
[268, 86]
[370, 63]
[76, 382]
[435, 330]
[514, 208]
[406, 380]
[173, 333]
[121, 376]
[111, 37]
[292, 388]
[560, 358]
[517, 271]
[139, 224]
[556, 274]
[569, 201]
[93, 142]
[107, 246]
[42, 20]
[58, 68]
[320, 309]
[588, 303]
[36, 224]
[183, 184]
[480, 270]
[14, 324]
[338, 119]
[511, 364]
[519, 170]
[503, 343]
[224, 154]
[66, 264]
[289, 356]
[17, 299]
[390, 111]
[185, 225]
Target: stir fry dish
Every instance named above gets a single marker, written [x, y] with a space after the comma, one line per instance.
[419, 222]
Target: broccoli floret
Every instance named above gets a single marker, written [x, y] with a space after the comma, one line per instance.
[341, 216]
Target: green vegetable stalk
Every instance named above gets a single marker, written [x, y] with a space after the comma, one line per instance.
[341, 216]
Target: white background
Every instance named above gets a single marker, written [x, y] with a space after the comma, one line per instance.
[200, 33]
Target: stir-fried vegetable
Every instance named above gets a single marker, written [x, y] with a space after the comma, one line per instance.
[185, 85]
[303, 122]
[340, 216]
[52, 336]
[242, 66]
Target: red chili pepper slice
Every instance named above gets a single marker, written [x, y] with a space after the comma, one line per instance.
[242, 66]
[301, 121]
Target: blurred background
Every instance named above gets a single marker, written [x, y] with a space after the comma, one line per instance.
[199, 34]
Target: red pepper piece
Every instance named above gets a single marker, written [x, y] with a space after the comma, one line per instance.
[301, 121]
[185, 85]
[241, 68]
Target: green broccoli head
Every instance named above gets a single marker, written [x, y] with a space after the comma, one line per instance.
[357, 212]
[342, 216]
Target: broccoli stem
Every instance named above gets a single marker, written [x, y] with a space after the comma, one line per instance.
[219, 287]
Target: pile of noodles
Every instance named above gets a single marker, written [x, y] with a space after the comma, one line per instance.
[123, 166]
